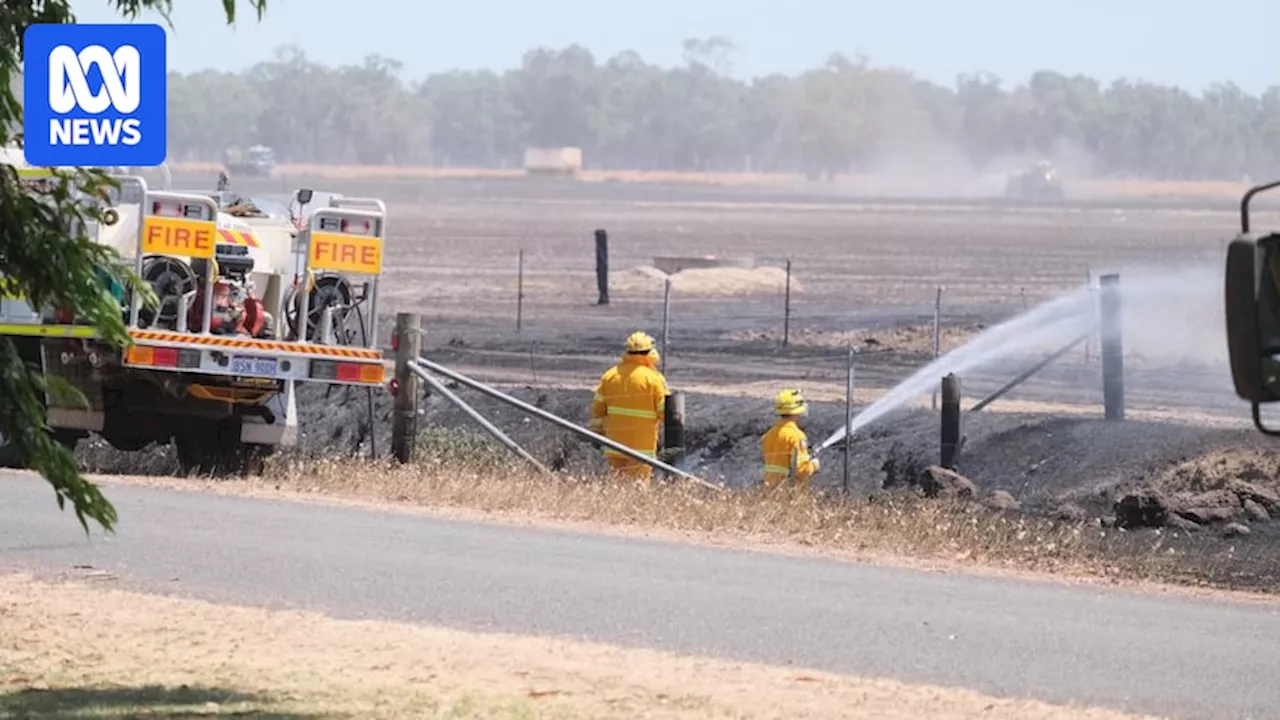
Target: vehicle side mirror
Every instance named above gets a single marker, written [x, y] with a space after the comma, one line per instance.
[304, 196]
[1252, 287]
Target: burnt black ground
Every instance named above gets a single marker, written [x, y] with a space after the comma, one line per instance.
[862, 265]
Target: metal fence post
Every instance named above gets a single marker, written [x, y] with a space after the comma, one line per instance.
[848, 423]
[937, 337]
[520, 292]
[407, 343]
[786, 310]
[602, 266]
[1093, 314]
[951, 430]
[666, 324]
[1112, 348]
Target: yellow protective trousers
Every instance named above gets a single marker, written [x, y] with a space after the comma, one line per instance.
[628, 408]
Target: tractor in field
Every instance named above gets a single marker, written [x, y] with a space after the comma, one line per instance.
[212, 368]
[257, 161]
[1039, 182]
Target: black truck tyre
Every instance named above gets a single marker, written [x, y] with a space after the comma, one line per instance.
[1242, 321]
[213, 448]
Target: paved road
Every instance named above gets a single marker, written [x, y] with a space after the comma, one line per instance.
[1160, 655]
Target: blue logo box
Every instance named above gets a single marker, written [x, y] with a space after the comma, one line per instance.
[95, 95]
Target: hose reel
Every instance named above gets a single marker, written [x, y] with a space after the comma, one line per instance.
[327, 290]
[170, 279]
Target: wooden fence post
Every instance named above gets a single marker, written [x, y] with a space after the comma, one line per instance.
[951, 430]
[407, 343]
[602, 266]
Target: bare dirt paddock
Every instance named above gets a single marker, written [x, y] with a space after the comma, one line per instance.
[59, 660]
[865, 275]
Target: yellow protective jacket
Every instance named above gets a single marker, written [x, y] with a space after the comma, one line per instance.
[630, 403]
[784, 441]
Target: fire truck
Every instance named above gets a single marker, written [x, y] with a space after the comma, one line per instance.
[214, 368]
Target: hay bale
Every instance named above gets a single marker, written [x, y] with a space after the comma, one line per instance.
[643, 279]
[705, 282]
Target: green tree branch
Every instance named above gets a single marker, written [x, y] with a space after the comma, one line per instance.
[46, 256]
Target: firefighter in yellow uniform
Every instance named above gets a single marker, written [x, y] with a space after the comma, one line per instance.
[629, 406]
[786, 447]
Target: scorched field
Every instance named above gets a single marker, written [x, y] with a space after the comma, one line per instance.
[502, 272]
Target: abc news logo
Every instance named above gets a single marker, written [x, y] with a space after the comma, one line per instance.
[95, 95]
[69, 91]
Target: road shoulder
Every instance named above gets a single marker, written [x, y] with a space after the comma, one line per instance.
[83, 645]
[762, 542]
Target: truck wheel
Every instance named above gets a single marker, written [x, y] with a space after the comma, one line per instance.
[11, 458]
[205, 447]
[214, 449]
[255, 458]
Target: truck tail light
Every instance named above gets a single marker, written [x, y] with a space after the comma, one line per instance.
[347, 371]
[163, 357]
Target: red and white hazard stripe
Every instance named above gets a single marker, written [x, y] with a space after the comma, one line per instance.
[238, 237]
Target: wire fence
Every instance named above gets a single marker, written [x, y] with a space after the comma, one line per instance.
[749, 323]
[779, 298]
[782, 320]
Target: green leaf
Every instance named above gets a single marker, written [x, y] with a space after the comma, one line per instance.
[46, 255]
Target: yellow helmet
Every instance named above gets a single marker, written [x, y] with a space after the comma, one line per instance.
[639, 343]
[790, 402]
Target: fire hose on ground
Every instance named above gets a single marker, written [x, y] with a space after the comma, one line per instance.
[421, 366]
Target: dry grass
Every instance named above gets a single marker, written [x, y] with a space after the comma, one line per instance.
[1087, 188]
[85, 650]
[1219, 469]
[890, 525]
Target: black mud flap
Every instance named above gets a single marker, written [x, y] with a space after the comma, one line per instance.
[1243, 344]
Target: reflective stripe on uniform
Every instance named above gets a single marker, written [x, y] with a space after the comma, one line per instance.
[646, 453]
[77, 331]
[628, 412]
[777, 469]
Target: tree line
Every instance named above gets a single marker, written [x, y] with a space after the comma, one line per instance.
[625, 113]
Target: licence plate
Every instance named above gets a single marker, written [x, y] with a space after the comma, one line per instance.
[244, 365]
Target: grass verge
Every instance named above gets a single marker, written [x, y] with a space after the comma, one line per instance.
[456, 470]
[84, 650]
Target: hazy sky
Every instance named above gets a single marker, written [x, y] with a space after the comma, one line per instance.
[1185, 42]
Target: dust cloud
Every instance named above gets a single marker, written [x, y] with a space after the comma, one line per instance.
[938, 170]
